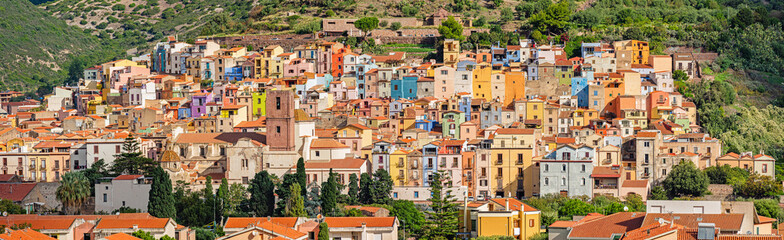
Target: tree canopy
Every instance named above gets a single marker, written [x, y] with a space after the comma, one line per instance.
[451, 29]
[685, 180]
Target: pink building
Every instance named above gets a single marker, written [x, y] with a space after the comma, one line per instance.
[297, 67]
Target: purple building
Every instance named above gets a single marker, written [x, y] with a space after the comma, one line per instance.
[199, 104]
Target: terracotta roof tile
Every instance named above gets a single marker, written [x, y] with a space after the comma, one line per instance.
[355, 222]
[348, 163]
[607, 226]
[121, 236]
[725, 222]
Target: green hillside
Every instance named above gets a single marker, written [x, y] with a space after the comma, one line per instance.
[35, 47]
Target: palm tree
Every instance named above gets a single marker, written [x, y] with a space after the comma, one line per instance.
[73, 191]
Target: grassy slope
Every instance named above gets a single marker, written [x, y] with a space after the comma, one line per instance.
[34, 45]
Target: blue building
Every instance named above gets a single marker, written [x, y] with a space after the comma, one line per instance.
[429, 162]
[233, 73]
[184, 112]
[513, 53]
[425, 124]
[499, 56]
[580, 88]
[465, 106]
[405, 87]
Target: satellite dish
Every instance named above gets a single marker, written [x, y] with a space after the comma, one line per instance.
[5, 214]
[625, 208]
[320, 217]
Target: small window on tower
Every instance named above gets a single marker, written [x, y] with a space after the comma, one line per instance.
[277, 129]
[277, 104]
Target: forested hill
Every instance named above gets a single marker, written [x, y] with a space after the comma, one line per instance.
[34, 46]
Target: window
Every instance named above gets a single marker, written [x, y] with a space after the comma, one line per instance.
[530, 223]
[582, 169]
[394, 195]
[646, 144]
[277, 129]
[583, 181]
[664, 172]
[764, 168]
[105, 197]
[563, 181]
[95, 149]
[546, 167]
[277, 103]
[318, 154]
[416, 194]
[117, 149]
[563, 167]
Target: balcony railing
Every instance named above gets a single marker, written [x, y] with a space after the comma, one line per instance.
[606, 186]
[499, 162]
[401, 176]
[454, 165]
[400, 164]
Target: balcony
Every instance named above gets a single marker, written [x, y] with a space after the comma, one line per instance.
[414, 166]
[32, 166]
[401, 177]
[606, 186]
[43, 168]
[454, 165]
[400, 164]
[381, 151]
[519, 162]
[646, 175]
[499, 177]
[56, 167]
[499, 162]
[519, 177]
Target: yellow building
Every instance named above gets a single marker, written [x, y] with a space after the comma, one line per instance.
[451, 52]
[398, 165]
[515, 86]
[534, 109]
[501, 217]
[481, 84]
[266, 61]
[512, 171]
[640, 51]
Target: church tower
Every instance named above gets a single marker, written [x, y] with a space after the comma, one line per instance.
[280, 120]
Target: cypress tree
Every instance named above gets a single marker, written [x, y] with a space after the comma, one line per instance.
[365, 184]
[323, 231]
[353, 189]
[262, 194]
[209, 201]
[329, 195]
[302, 179]
[161, 201]
[381, 187]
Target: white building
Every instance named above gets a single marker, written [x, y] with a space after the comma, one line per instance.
[131, 191]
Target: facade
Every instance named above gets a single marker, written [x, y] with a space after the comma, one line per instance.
[130, 191]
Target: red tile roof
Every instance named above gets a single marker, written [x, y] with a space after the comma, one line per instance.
[607, 226]
[514, 131]
[243, 222]
[514, 204]
[127, 177]
[117, 223]
[326, 143]
[15, 191]
[121, 236]
[563, 224]
[725, 222]
[24, 234]
[351, 222]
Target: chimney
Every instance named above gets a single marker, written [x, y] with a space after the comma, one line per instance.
[706, 231]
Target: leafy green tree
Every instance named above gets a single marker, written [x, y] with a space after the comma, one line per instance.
[366, 24]
[73, 191]
[507, 14]
[130, 160]
[407, 212]
[635, 203]
[353, 189]
[658, 193]
[329, 195]
[481, 21]
[295, 205]
[383, 24]
[442, 218]
[497, 3]
[365, 184]
[204, 234]
[161, 202]
[395, 26]
[143, 235]
[323, 231]
[282, 190]
[381, 187]
[767, 207]
[75, 70]
[553, 19]
[451, 29]
[685, 180]
[726, 175]
[262, 194]
[680, 75]
[95, 172]
[302, 178]
[9, 207]
[758, 186]
[575, 207]
[237, 194]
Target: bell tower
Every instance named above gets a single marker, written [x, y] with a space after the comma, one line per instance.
[280, 120]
